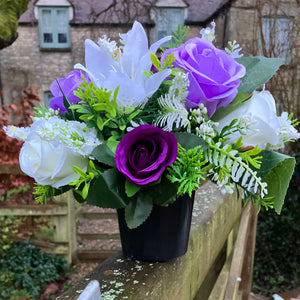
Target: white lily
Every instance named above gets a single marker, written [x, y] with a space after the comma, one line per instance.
[125, 69]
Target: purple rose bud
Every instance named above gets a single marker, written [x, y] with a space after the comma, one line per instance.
[213, 74]
[69, 84]
[145, 152]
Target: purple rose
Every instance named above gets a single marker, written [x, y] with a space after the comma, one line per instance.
[68, 84]
[145, 152]
[213, 74]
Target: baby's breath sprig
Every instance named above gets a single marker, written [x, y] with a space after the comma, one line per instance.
[43, 112]
[200, 123]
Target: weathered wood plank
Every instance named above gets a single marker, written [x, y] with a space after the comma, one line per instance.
[33, 210]
[11, 169]
[99, 236]
[94, 255]
[97, 215]
[233, 282]
[218, 291]
[247, 270]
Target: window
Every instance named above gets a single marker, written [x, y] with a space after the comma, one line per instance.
[277, 37]
[54, 27]
[47, 96]
[167, 20]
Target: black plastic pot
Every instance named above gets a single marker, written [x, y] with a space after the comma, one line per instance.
[163, 236]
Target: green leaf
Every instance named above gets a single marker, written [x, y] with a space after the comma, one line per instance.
[138, 210]
[189, 140]
[107, 192]
[131, 189]
[78, 197]
[112, 144]
[276, 170]
[104, 155]
[223, 111]
[79, 171]
[85, 190]
[259, 70]
[164, 193]
[155, 61]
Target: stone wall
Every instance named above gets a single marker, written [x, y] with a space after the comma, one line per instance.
[23, 64]
[244, 25]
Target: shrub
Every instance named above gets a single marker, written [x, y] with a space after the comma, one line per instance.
[26, 269]
[277, 255]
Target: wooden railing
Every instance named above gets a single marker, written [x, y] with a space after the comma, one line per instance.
[217, 265]
[95, 254]
[62, 213]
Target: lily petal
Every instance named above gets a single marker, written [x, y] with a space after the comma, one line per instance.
[98, 62]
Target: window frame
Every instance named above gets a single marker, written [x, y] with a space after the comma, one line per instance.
[171, 23]
[274, 38]
[47, 97]
[54, 28]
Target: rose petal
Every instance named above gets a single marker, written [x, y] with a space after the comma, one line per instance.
[145, 152]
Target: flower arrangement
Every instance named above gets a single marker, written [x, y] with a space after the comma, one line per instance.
[131, 129]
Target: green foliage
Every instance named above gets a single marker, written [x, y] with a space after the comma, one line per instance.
[107, 190]
[276, 170]
[186, 172]
[151, 110]
[24, 267]
[131, 189]
[225, 110]
[277, 256]
[138, 210]
[178, 37]
[104, 155]
[45, 224]
[228, 162]
[98, 108]
[44, 192]
[259, 70]
[162, 193]
[41, 111]
[168, 63]
[20, 189]
[82, 184]
[10, 11]
[9, 226]
[190, 141]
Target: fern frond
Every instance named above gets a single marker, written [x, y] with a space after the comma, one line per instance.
[236, 165]
[186, 172]
[173, 113]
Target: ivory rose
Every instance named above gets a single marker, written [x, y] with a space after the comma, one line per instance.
[49, 163]
[259, 114]
[52, 146]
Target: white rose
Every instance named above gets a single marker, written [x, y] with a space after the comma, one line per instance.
[259, 113]
[49, 162]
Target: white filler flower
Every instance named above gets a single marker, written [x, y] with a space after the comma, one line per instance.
[52, 146]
